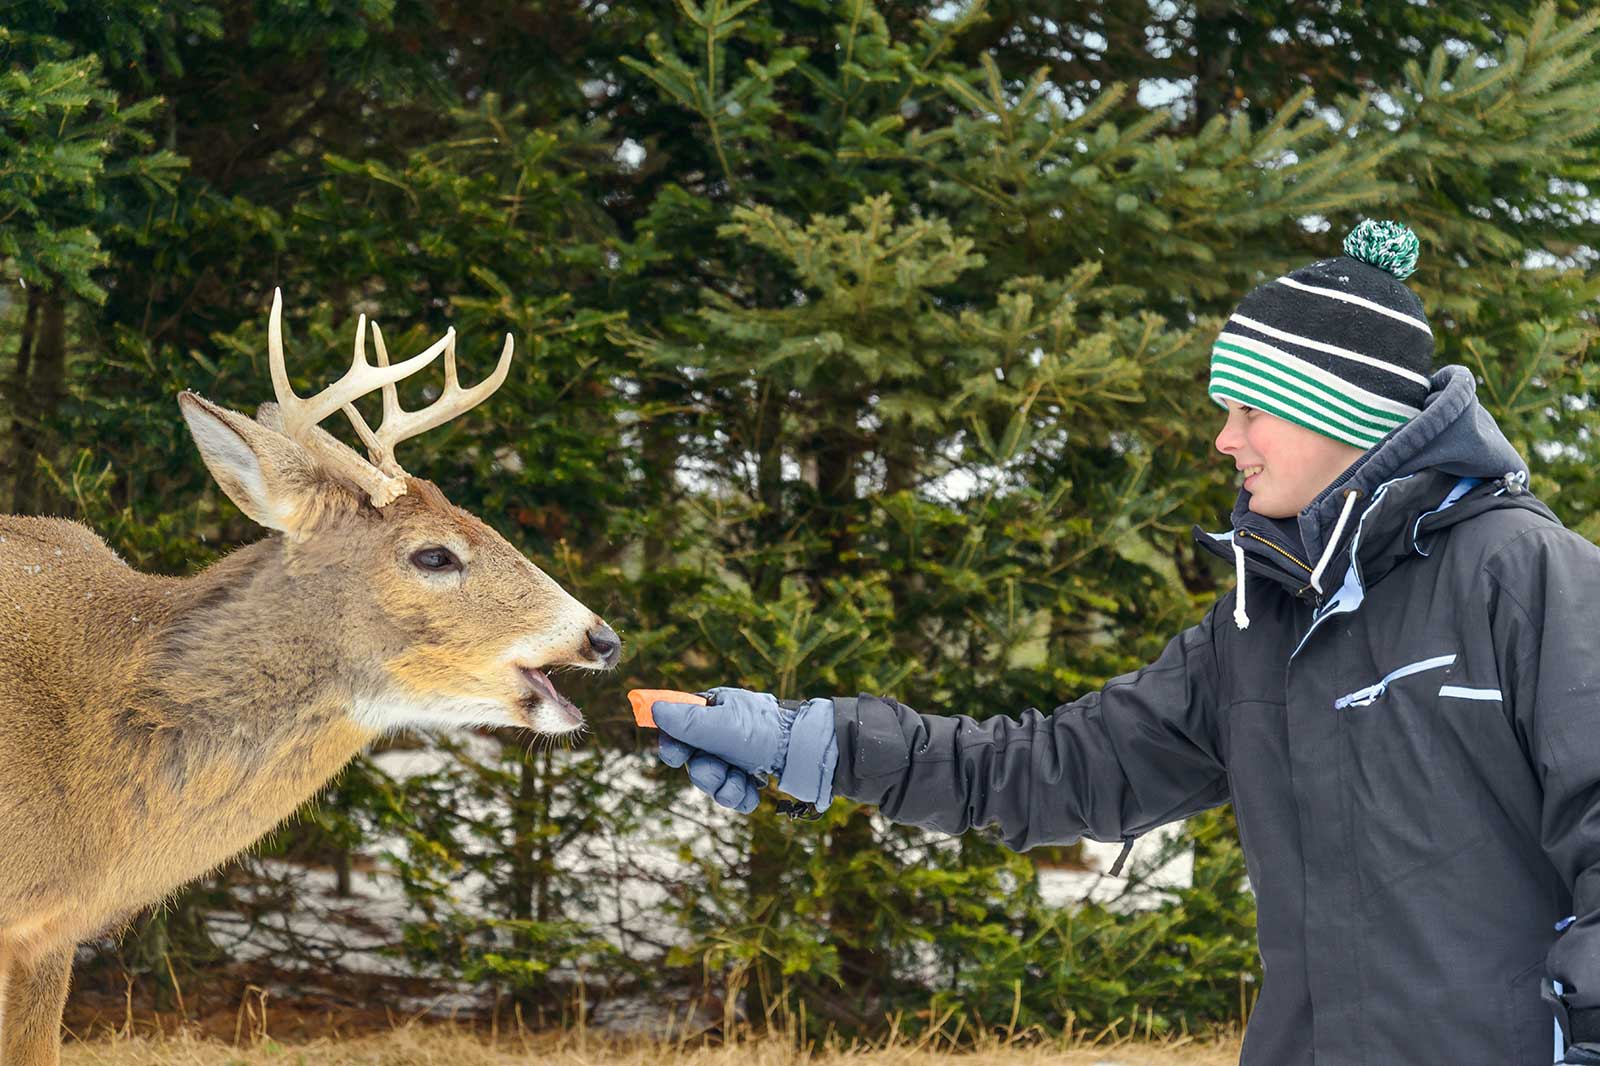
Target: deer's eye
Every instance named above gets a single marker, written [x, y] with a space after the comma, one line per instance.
[435, 560]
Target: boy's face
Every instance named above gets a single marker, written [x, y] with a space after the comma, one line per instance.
[1286, 465]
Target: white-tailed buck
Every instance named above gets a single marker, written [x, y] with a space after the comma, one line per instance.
[152, 727]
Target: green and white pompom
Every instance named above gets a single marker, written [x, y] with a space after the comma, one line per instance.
[1385, 244]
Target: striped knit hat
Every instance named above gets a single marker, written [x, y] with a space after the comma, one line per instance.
[1339, 347]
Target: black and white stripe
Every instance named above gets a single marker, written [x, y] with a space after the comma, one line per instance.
[1340, 347]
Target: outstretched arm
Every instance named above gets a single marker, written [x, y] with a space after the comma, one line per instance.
[1141, 752]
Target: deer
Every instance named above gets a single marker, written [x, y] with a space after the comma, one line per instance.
[153, 727]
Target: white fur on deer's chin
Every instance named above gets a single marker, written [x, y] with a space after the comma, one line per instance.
[390, 712]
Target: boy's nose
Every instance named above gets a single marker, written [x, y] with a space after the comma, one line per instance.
[1229, 436]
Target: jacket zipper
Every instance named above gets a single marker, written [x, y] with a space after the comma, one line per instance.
[1281, 551]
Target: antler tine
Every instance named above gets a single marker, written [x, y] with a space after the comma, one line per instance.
[391, 403]
[399, 424]
[454, 400]
[280, 376]
[301, 413]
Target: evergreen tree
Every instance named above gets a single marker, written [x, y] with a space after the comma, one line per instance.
[73, 159]
[863, 348]
[948, 360]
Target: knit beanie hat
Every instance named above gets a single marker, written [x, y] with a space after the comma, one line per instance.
[1339, 347]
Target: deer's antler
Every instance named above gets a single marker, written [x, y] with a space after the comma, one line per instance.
[381, 477]
[399, 424]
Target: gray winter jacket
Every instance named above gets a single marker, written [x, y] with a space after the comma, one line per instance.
[1413, 755]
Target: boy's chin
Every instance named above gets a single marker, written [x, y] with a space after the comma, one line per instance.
[1268, 509]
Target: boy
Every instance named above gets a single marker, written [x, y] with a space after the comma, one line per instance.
[1398, 697]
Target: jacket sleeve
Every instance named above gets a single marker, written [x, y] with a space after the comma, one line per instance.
[1141, 752]
[1544, 615]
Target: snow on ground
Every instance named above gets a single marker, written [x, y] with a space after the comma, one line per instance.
[1067, 888]
[357, 933]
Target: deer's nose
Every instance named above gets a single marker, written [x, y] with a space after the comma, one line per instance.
[605, 645]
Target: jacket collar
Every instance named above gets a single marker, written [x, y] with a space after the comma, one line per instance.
[1398, 484]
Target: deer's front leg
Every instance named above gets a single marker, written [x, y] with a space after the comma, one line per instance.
[33, 991]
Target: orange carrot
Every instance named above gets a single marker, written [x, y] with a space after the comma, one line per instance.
[643, 698]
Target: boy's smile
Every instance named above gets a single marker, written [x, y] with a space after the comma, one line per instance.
[1285, 466]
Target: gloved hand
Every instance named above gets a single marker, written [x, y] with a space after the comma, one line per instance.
[1582, 1055]
[740, 737]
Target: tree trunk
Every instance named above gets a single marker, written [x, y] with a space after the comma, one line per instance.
[863, 968]
[14, 387]
[836, 486]
[544, 855]
[1213, 87]
[899, 449]
[661, 447]
[529, 896]
[36, 391]
[341, 873]
[769, 482]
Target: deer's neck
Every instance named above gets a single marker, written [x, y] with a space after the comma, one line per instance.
[241, 710]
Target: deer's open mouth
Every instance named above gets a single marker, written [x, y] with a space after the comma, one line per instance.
[541, 691]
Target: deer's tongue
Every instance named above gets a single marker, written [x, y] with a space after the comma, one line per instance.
[543, 687]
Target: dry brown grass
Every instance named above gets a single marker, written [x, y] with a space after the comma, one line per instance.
[226, 1023]
[443, 1045]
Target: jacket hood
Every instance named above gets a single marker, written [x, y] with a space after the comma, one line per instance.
[1453, 436]
[1410, 473]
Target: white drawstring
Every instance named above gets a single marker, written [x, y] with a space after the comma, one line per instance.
[1333, 541]
[1240, 619]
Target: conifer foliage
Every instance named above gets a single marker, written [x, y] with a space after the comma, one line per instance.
[864, 350]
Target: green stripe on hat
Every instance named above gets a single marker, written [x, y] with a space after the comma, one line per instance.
[1228, 390]
[1318, 418]
[1329, 387]
[1256, 374]
[1293, 388]
[1261, 391]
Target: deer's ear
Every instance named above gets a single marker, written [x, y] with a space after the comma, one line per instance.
[272, 479]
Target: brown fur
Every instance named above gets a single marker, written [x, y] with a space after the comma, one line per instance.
[152, 727]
